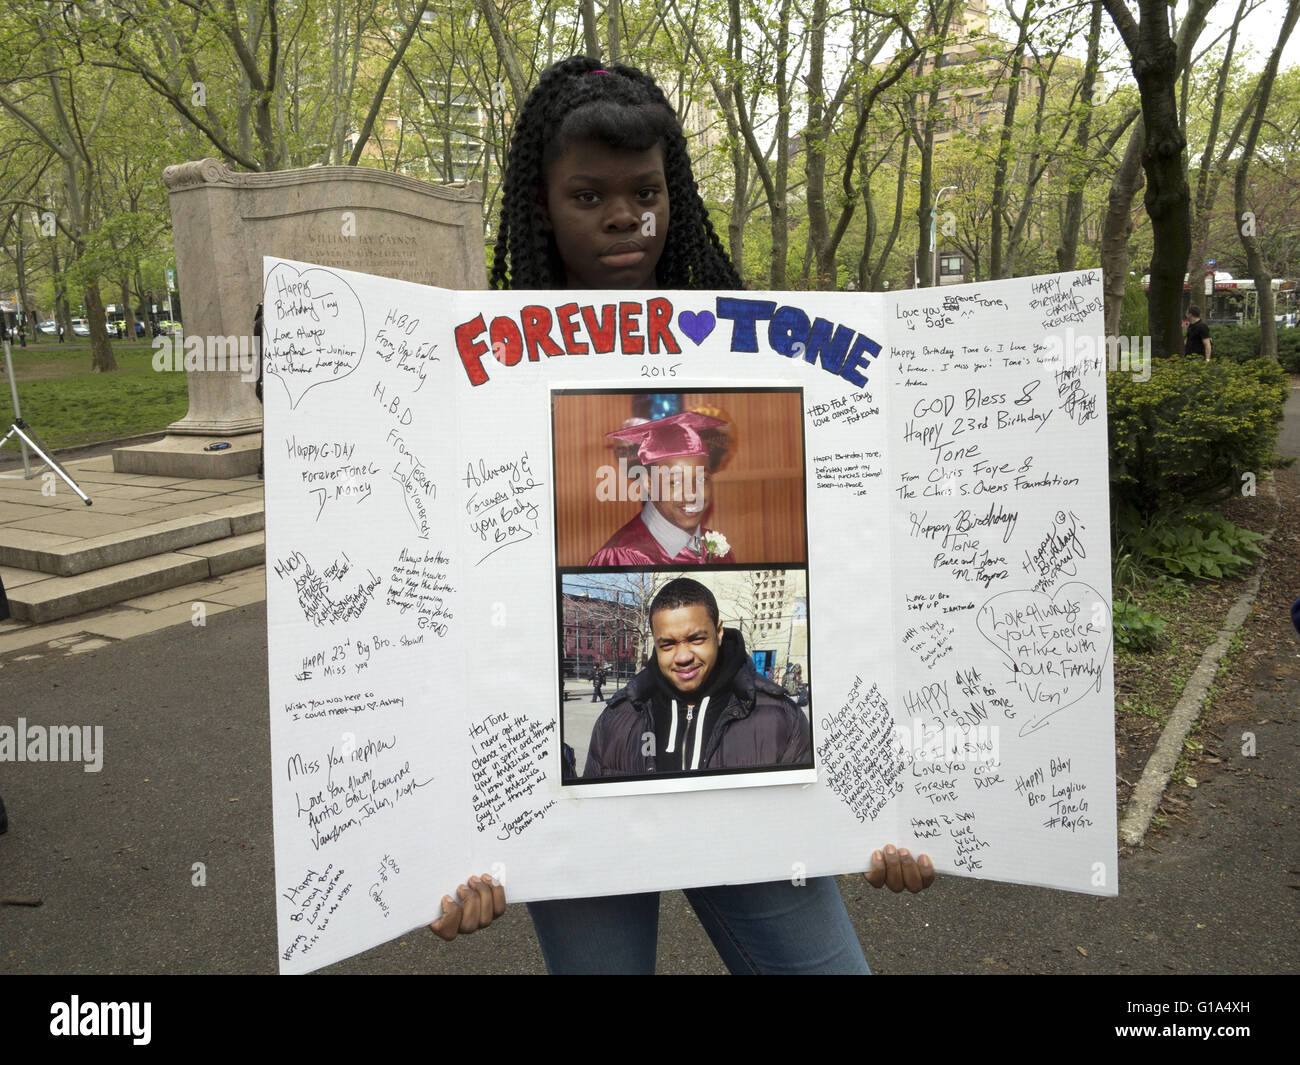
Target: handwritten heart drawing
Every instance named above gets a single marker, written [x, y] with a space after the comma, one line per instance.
[314, 330]
[1058, 646]
[697, 326]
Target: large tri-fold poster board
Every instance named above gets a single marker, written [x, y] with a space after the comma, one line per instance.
[905, 520]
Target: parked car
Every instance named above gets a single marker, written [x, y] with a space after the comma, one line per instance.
[49, 327]
[80, 327]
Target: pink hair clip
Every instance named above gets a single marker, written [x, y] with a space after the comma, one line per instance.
[598, 72]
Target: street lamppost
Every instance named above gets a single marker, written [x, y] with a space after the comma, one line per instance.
[934, 212]
[171, 284]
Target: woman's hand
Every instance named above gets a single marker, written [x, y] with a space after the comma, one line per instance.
[897, 869]
[480, 903]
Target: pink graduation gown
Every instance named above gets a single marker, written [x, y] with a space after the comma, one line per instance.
[633, 545]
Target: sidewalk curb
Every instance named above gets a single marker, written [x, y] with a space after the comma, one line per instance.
[1150, 790]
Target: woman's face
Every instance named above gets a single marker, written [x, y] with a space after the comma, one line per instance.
[608, 210]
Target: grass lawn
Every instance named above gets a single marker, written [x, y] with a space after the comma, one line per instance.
[68, 405]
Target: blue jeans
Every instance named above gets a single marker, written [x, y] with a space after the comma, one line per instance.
[756, 928]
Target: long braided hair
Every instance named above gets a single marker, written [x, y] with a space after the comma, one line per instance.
[623, 108]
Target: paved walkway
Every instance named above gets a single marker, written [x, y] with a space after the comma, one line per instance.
[42, 515]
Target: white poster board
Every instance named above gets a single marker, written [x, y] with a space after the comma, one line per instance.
[952, 503]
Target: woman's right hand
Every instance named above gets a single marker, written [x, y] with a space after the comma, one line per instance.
[482, 900]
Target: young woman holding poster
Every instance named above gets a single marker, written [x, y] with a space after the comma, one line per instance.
[599, 194]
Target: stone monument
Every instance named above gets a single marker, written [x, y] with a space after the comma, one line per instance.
[223, 222]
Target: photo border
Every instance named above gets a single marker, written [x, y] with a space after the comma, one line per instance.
[690, 780]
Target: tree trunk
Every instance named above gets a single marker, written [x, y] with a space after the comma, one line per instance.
[864, 260]
[20, 268]
[1068, 252]
[614, 23]
[739, 200]
[128, 323]
[1156, 60]
[1167, 198]
[823, 236]
[62, 312]
[1246, 223]
[1033, 173]
[883, 258]
[925, 142]
[814, 149]
[590, 36]
[739, 153]
[1002, 160]
[1118, 226]
[377, 100]
[778, 207]
[101, 352]
[505, 49]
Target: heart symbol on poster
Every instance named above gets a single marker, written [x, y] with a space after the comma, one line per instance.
[697, 326]
[314, 329]
[1058, 646]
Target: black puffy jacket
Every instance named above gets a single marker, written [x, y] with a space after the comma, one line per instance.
[759, 726]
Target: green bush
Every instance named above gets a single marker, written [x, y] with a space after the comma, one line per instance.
[1235, 343]
[1240, 343]
[1188, 434]
[1288, 348]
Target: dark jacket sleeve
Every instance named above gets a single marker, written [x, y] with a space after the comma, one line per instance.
[597, 751]
[798, 751]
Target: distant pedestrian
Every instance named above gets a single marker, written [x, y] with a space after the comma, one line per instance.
[791, 678]
[1198, 334]
[597, 682]
[22, 335]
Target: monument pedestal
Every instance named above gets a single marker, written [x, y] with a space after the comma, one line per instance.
[224, 222]
[188, 457]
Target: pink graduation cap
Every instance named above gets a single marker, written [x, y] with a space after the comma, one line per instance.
[667, 438]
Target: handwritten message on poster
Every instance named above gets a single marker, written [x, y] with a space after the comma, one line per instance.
[949, 620]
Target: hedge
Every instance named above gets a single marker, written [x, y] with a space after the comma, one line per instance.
[1239, 343]
[1190, 432]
